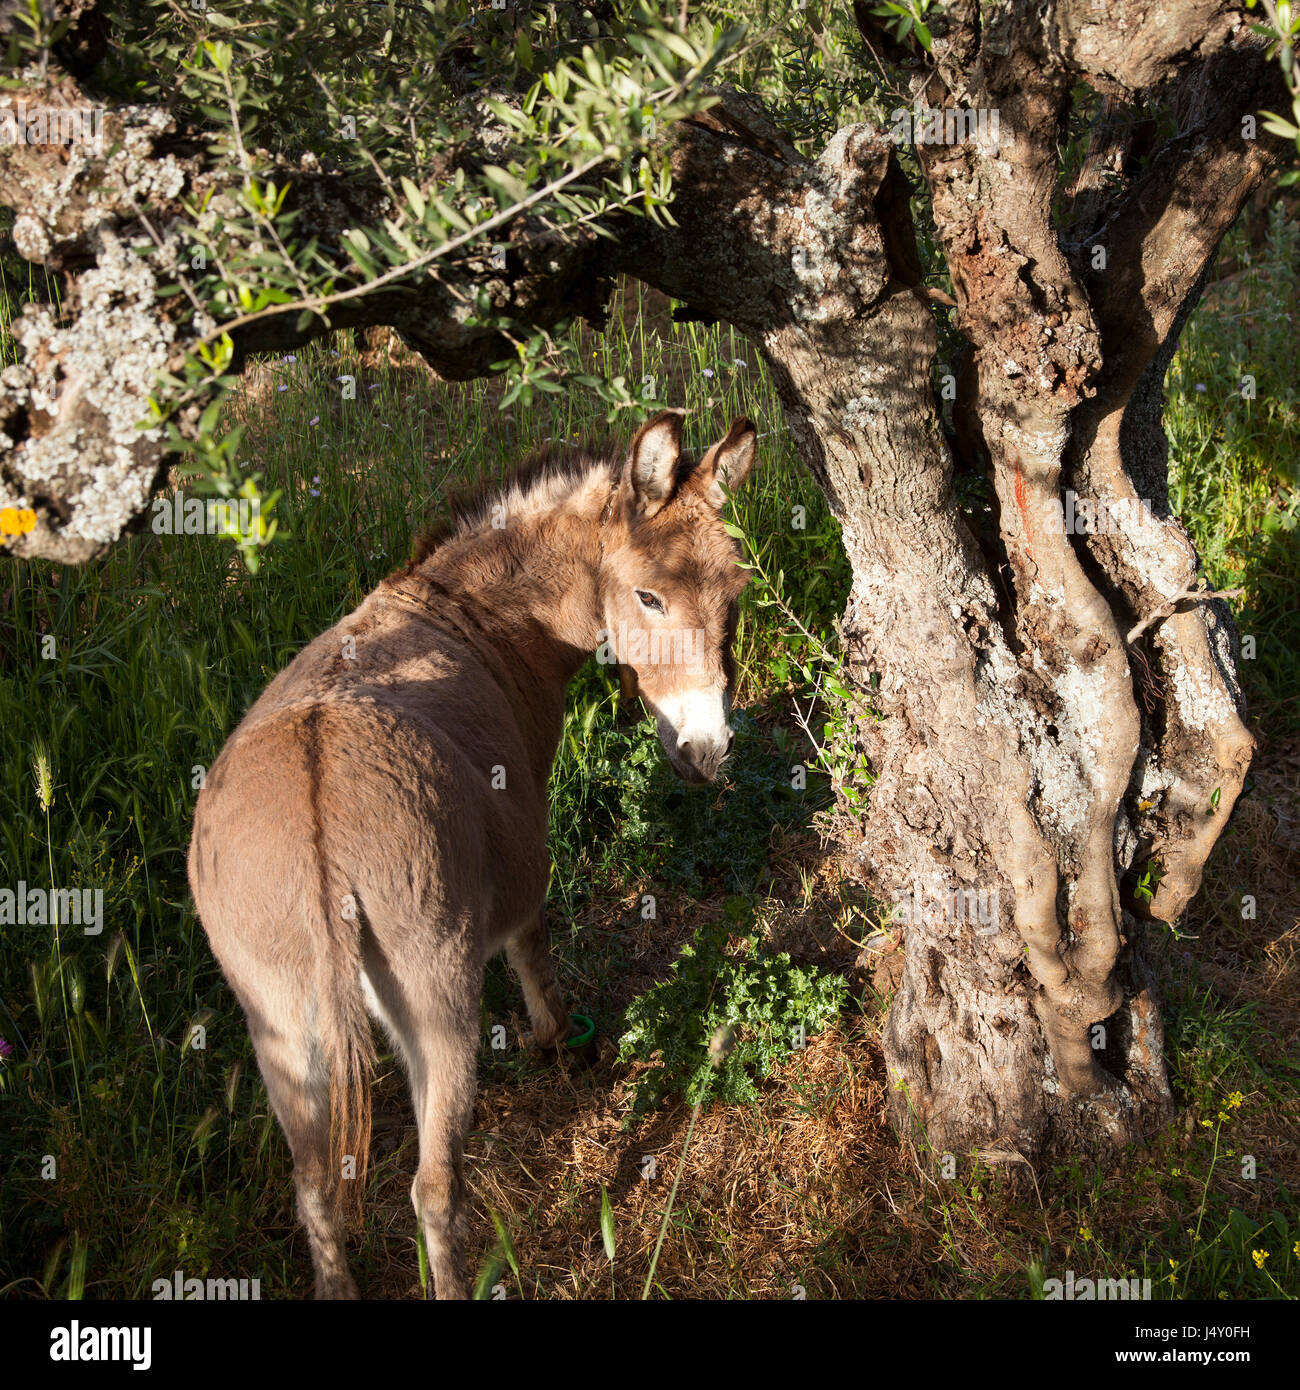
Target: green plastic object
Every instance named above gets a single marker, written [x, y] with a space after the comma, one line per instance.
[589, 1030]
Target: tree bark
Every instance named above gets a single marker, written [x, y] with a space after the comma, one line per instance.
[1029, 753]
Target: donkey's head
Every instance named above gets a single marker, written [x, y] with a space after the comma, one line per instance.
[669, 583]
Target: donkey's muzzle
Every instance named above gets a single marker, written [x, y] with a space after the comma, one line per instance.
[700, 759]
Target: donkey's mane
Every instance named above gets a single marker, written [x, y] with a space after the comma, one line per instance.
[554, 461]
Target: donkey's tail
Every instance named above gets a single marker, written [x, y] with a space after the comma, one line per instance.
[342, 1021]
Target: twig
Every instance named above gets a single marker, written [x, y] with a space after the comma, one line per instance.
[1166, 609]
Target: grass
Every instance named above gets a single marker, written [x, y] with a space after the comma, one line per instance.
[1234, 431]
[130, 1151]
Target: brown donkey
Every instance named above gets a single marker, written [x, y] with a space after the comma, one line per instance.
[375, 828]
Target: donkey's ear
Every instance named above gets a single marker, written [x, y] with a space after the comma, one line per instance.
[728, 463]
[652, 461]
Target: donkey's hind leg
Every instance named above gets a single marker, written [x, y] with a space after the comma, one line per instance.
[529, 953]
[444, 1078]
[432, 1014]
[297, 1082]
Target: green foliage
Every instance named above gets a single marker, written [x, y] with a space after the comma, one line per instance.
[1282, 27]
[608, 1233]
[1148, 881]
[812, 70]
[560, 111]
[907, 19]
[818, 661]
[725, 979]
[1233, 421]
[697, 837]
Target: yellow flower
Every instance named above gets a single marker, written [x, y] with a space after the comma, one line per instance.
[1259, 1256]
[1295, 1250]
[1084, 1233]
[1235, 1099]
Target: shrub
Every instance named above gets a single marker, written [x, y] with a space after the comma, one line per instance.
[723, 978]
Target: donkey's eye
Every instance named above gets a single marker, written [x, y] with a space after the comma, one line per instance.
[651, 601]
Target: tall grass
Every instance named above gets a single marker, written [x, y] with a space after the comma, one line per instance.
[1233, 420]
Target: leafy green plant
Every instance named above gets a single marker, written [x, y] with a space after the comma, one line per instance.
[724, 979]
[907, 18]
[1148, 881]
[1282, 27]
[691, 838]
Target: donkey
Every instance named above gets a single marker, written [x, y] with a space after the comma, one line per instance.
[375, 828]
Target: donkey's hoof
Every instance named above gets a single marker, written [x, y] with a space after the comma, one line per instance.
[585, 1055]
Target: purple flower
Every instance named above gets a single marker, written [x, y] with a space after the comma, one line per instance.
[281, 388]
[315, 420]
[708, 371]
[6, 1050]
[1200, 386]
